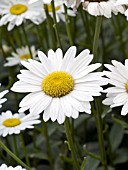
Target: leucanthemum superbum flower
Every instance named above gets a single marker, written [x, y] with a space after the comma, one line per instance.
[59, 8]
[16, 11]
[102, 7]
[20, 55]
[14, 123]
[123, 2]
[2, 100]
[59, 86]
[5, 167]
[118, 77]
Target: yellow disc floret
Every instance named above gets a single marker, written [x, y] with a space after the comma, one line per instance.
[11, 122]
[58, 84]
[126, 86]
[25, 57]
[18, 9]
[50, 8]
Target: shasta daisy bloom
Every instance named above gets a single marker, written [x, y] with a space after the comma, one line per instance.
[59, 8]
[16, 11]
[4, 167]
[20, 55]
[14, 123]
[102, 7]
[2, 100]
[59, 86]
[118, 94]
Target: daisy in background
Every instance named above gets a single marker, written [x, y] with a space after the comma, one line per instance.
[2, 100]
[59, 86]
[118, 77]
[20, 55]
[123, 2]
[14, 123]
[15, 12]
[102, 7]
[59, 7]
[4, 167]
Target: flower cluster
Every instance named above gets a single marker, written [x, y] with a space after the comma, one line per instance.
[4, 167]
[59, 85]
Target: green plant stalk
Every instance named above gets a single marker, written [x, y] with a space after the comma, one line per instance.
[24, 149]
[55, 24]
[50, 24]
[71, 143]
[15, 145]
[68, 26]
[96, 37]
[26, 39]
[97, 101]
[48, 146]
[91, 154]
[99, 124]
[13, 156]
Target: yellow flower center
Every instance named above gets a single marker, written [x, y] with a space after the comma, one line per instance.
[50, 8]
[58, 84]
[11, 122]
[25, 57]
[18, 9]
[126, 86]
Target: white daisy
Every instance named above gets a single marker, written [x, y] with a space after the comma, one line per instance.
[118, 77]
[59, 7]
[102, 7]
[123, 2]
[2, 100]
[16, 11]
[59, 86]
[14, 123]
[20, 55]
[4, 167]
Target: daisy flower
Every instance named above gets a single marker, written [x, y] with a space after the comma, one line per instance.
[59, 8]
[15, 12]
[4, 167]
[123, 2]
[2, 100]
[20, 55]
[102, 7]
[59, 86]
[14, 123]
[118, 94]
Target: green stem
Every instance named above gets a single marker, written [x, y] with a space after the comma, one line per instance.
[24, 150]
[26, 39]
[99, 124]
[15, 145]
[50, 24]
[13, 156]
[96, 37]
[71, 143]
[68, 26]
[55, 24]
[48, 146]
[98, 103]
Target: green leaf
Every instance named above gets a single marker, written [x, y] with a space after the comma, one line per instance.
[116, 136]
[92, 164]
[121, 156]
